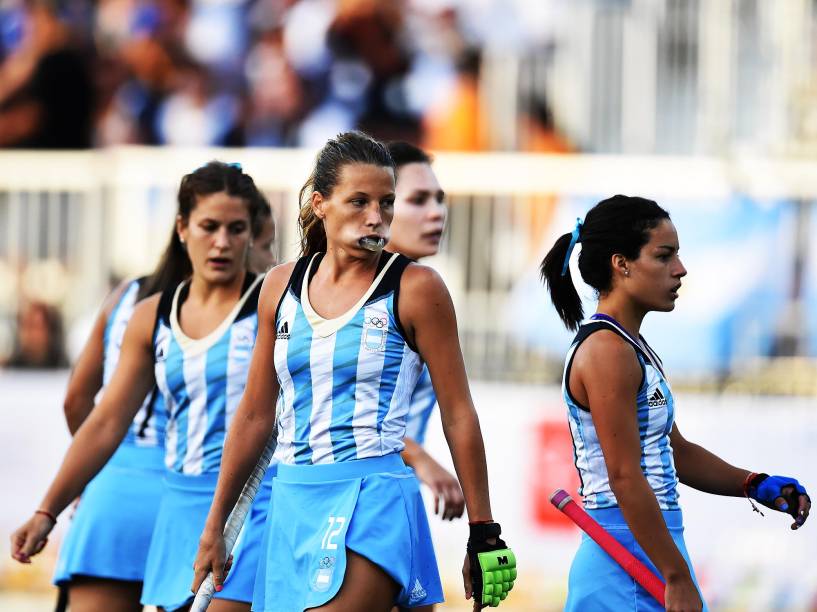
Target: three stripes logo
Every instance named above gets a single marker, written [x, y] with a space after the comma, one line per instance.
[283, 332]
[657, 399]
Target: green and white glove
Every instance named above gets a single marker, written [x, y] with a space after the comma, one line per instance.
[493, 566]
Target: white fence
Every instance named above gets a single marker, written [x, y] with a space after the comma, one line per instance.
[71, 221]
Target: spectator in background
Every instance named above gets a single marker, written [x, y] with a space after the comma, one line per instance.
[366, 38]
[46, 97]
[40, 339]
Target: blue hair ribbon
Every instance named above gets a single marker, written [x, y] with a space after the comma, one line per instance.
[574, 238]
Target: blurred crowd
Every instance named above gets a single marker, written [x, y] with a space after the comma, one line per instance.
[83, 73]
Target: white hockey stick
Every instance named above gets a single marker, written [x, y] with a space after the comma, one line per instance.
[236, 519]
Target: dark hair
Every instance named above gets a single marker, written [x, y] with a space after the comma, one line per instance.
[213, 177]
[617, 225]
[347, 148]
[404, 153]
[54, 355]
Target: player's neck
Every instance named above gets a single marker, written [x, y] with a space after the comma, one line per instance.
[339, 265]
[626, 314]
[203, 291]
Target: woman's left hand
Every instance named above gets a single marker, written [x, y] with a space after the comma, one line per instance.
[211, 558]
[781, 493]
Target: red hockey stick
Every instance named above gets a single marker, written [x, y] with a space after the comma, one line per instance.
[640, 573]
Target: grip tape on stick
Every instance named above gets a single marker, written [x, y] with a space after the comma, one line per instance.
[236, 520]
[635, 568]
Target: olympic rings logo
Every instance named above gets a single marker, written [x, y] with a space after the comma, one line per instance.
[378, 322]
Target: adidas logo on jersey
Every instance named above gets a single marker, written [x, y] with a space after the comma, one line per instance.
[417, 593]
[657, 399]
[283, 332]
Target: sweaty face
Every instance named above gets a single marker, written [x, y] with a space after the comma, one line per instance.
[217, 237]
[419, 212]
[261, 255]
[655, 277]
[361, 205]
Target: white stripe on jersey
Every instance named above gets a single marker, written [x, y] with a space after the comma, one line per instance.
[367, 393]
[321, 354]
[239, 353]
[394, 423]
[162, 342]
[285, 450]
[195, 381]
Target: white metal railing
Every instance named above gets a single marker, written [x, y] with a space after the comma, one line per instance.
[71, 221]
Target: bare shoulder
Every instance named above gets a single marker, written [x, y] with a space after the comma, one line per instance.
[274, 285]
[114, 296]
[144, 313]
[608, 355]
[418, 278]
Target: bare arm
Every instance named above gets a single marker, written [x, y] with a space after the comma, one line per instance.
[86, 377]
[427, 314]
[100, 434]
[606, 376]
[702, 470]
[251, 427]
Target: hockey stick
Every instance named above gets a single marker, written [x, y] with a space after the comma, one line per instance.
[236, 520]
[635, 568]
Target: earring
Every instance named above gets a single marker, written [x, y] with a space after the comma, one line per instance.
[626, 272]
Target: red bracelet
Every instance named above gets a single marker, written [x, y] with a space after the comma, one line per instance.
[48, 514]
[747, 482]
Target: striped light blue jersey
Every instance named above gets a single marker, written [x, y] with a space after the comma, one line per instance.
[345, 382]
[655, 409]
[202, 380]
[148, 427]
[423, 400]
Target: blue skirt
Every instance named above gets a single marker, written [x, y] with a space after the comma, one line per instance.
[182, 514]
[111, 529]
[597, 582]
[370, 506]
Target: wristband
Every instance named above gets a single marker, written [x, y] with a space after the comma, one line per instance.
[493, 566]
[46, 513]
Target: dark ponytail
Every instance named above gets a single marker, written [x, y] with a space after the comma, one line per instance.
[214, 177]
[348, 148]
[617, 225]
[563, 292]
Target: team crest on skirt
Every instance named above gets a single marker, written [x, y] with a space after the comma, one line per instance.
[375, 330]
[322, 579]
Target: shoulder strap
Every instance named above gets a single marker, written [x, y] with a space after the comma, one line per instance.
[391, 282]
[294, 283]
[253, 289]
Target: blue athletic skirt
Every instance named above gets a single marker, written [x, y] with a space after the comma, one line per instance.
[370, 506]
[597, 582]
[182, 514]
[111, 529]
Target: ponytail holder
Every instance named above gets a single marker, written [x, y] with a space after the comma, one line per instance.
[574, 238]
[235, 165]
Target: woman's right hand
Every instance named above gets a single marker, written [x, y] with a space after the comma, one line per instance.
[31, 538]
[211, 557]
[681, 595]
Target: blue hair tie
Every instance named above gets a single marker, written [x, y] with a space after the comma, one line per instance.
[574, 238]
[235, 165]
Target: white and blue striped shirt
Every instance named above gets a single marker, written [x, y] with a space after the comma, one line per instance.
[345, 382]
[148, 427]
[655, 408]
[202, 380]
